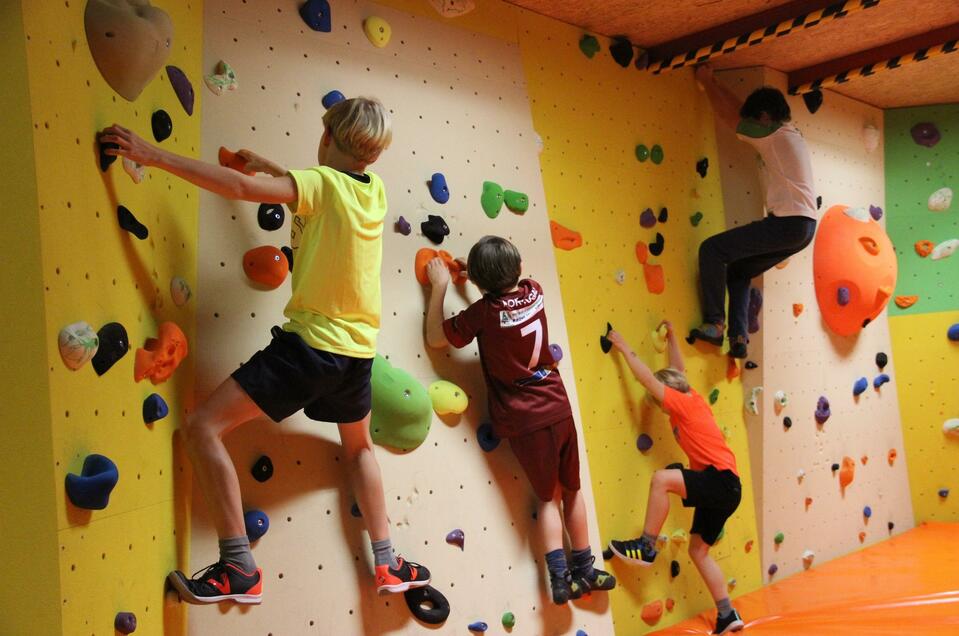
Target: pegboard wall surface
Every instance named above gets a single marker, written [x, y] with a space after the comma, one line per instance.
[460, 107]
[913, 172]
[115, 559]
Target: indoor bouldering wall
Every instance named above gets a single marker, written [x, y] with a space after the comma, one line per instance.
[927, 360]
[460, 107]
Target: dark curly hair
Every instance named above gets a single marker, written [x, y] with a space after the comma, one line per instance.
[767, 100]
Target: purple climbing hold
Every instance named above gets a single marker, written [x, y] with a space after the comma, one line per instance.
[702, 166]
[644, 442]
[257, 523]
[647, 219]
[403, 226]
[925, 134]
[556, 351]
[880, 379]
[842, 296]
[755, 305]
[860, 387]
[943, 492]
[332, 98]
[438, 188]
[125, 622]
[875, 212]
[822, 410]
[656, 247]
[182, 87]
[773, 569]
[316, 14]
[456, 537]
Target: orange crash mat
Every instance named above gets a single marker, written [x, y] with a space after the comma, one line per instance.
[908, 584]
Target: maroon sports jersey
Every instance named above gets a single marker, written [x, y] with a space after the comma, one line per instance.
[525, 392]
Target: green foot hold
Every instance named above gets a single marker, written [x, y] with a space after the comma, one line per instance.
[509, 620]
[402, 410]
[589, 45]
[656, 154]
[713, 396]
[516, 201]
[492, 199]
[642, 152]
[696, 218]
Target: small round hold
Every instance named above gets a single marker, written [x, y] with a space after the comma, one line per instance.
[881, 360]
[656, 154]
[427, 604]
[162, 125]
[663, 215]
[835, 467]
[943, 492]
[890, 526]
[751, 365]
[867, 512]
[487, 440]
[270, 216]
[773, 569]
[642, 152]
[779, 538]
[556, 351]
[263, 469]
[842, 296]
[125, 622]
[478, 626]
[644, 442]
[288, 253]
[787, 422]
[509, 620]
[702, 166]
[257, 523]
[332, 98]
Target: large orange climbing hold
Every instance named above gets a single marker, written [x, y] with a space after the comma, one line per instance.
[797, 309]
[425, 255]
[642, 252]
[652, 612]
[565, 238]
[924, 248]
[852, 253]
[655, 279]
[847, 472]
[892, 456]
[161, 356]
[230, 159]
[266, 265]
[904, 302]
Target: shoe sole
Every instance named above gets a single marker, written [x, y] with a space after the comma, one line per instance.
[735, 626]
[629, 559]
[696, 334]
[402, 587]
[178, 582]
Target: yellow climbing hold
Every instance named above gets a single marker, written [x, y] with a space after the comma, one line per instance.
[377, 31]
[679, 537]
[659, 338]
[447, 398]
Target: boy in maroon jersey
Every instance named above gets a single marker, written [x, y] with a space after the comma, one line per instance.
[527, 399]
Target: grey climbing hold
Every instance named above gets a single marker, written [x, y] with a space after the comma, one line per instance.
[263, 469]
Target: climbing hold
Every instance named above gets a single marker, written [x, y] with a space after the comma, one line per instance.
[589, 45]
[516, 201]
[807, 558]
[732, 369]
[674, 569]
[864, 460]
[655, 278]
[129, 42]
[179, 291]
[659, 338]
[263, 469]
[438, 188]
[755, 306]
[924, 248]
[879, 380]
[950, 427]
[288, 253]
[696, 218]
[891, 456]
[114, 344]
[106, 159]
[270, 216]
[478, 626]
[78, 343]
[822, 410]
[813, 101]
[953, 332]
[656, 248]
[230, 159]
[670, 604]
[847, 473]
[731, 583]
[818, 202]
[154, 408]
[773, 569]
[161, 356]
[642, 152]
[702, 166]
[751, 365]
[679, 537]
[881, 360]
[266, 266]
[427, 604]
[943, 492]
[622, 51]
[787, 422]
[564, 238]
[713, 396]
[556, 352]
[222, 79]
[749, 546]
[945, 249]
[136, 170]
[797, 309]
[904, 302]
[642, 59]
[652, 612]
[423, 258]
[867, 512]
[434, 228]
[875, 212]
[644, 442]
[161, 124]
[182, 87]
[316, 14]
[925, 134]
[403, 226]
[257, 523]
[940, 200]
[125, 622]
[780, 399]
[129, 223]
[656, 154]
[862, 537]
[800, 474]
[604, 343]
[355, 511]
[663, 215]
[752, 404]
[92, 487]
[860, 387]
[842, 296]
[779, 538]
[647, 218]
[509, 620]
[377, 31]
[401, 408]
[332, 98]
[456, 537]
[487, 440]
[620, 276]
[492, 199]
[808, 501]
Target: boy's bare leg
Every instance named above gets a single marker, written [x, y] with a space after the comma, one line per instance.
[365, 477]
[574, 512]
[708, 568]
[664, 482]
[551, 523]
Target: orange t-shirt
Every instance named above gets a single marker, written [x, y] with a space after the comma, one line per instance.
[696, 431]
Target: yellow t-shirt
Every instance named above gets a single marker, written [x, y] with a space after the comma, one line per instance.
[337, 242]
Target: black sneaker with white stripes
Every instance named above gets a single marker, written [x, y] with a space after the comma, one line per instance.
[640, 551]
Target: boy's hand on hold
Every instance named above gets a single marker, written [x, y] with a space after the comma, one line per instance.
[132, 146]
[437, 272]
[669, 328]
[618, 341]
[254, 162]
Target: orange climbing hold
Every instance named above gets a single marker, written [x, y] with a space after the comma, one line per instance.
[808, 501]
[749, 545]
[655, 279]
[797, 309]
[670, 604]
[862, 537]
[732, 369]
[782, 264]
[924, 248]
[904, 302]
[425, 255]
[565, 238]
[266, 265]
[652, 612]
[642, 252]
[892, 456]
[864, 459]
[230, 159]
[847, 472]
[161, 356]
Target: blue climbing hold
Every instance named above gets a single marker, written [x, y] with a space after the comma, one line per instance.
[478, 626]
[556, 351]
[316, 14]
[867, 512]
[92, 487]
[943, 492]
[644, 442]
[842, 296]
[484, 435]
[953, 332]
[154, 408]
[257, 523]
[580, 632]
[270, 216]
[860, 386]
[438, 188]
[332, 98]
[881, 379]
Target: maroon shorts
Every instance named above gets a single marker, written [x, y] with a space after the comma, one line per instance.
[549, 455]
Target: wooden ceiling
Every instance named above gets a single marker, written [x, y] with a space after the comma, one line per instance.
[869, 35]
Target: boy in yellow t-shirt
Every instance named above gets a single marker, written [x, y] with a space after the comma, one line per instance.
[321, 359]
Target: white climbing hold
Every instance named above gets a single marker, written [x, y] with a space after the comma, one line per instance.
[180, 291]
[807, 558]
[860, 214]
[222, 79]
[752, 404]
[781, 400]
[453, 8]
[134, 169]
[944, 249]
[800, 474]
[940, 200]
[870, 137]
[951, 427]
[620, 276]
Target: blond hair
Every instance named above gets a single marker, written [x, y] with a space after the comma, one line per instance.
[360, 127]
[673, 379]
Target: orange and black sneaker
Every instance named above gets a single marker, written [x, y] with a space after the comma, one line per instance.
[218, 583]
[405, 577]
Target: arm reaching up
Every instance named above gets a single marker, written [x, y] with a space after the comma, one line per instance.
[439, 276]
[675, 356]
[725, 104]
[637, 366]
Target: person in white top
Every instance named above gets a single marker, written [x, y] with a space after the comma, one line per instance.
[731, 259]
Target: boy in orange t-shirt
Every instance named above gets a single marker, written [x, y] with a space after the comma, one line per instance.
[710, 485]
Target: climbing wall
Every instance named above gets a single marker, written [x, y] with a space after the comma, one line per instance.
[460, 106]
[802, 358]
[115, 559]
[926, 359]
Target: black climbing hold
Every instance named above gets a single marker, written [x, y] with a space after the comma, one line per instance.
[835, 467]
[818, 202]
[656, 248]
[607, 554]
[262, 469]
[484, 435]
[288, 253]
[890, 525]
[604, 343]
[866, 322]
[435, 228]
[154, 408]
[663, 215]
[113, 345]
[813, 101]
[622, 51]
[642, 60]
[674, 466]
[674, 569]
[316, 14]
[125, 622]
[787, 422]
[270, 216]
[702, 166]
[162, 125]
[129, 223]
[750, 364]
[881, 360]
[105, 159]
[355, 510]
[92, 487]
[437, 608]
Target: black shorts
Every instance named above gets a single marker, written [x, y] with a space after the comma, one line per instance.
[289, 375]
[549, 456]
[715, 494]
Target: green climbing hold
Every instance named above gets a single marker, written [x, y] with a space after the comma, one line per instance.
[589, 45]
[492, 199]
[696, 218]
[642, 152]
[509, 621]
[516, 201]
[448, 398]
[713, 396]
[656, 154]
[402, 411]
[779, 538]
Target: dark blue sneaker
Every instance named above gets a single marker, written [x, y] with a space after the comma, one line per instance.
[732, 623]
[737, 347]
[639, 551]
[600, 582]
[560, 587]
